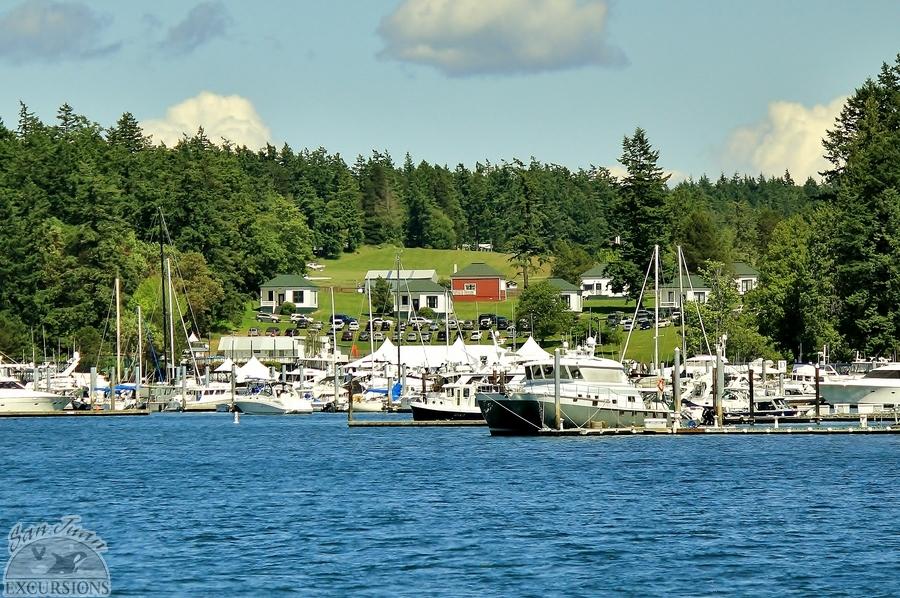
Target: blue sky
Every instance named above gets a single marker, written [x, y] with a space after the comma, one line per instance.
[718, 85]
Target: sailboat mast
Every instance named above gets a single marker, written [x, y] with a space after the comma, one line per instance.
[118, 334]
[656, 309]
[681, 304]
[370, 324]
[140, 344]
[162, 287]
[171, 323]
[399, 334]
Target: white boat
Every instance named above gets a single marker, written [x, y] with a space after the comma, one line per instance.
[15, 398]
[368, 404]
[274, 400]
[455, 399]
[593, 392]
[209, 397]
[878, 390]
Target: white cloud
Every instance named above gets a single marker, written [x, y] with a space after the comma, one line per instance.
[230, 117]
[473, 37]
[675, 176]
[205, 22]
[44, 30]
[789, 137]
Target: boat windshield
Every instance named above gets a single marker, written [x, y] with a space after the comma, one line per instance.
[10, 384]
[891, 373]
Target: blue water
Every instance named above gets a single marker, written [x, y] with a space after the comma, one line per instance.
[194, 505]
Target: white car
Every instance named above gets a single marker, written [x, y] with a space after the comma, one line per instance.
[354, 325]
[476, 336]
[420, 321]
[300, 318]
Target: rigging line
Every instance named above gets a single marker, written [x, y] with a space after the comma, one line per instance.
[184, 328]
[530, 423]
[637, 307]
[112, 300]
[697, 306]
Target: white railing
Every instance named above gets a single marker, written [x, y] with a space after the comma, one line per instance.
[463, 291]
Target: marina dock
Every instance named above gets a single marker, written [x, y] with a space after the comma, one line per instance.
[411, 423]
[726, 430]
[119, 413]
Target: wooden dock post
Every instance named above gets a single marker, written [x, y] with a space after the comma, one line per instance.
[720, 386]
[752, 402]
[676, 383]
[818, 396]
[558, 416]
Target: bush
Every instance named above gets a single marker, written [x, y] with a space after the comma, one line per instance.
[287, 308]
[427, 312]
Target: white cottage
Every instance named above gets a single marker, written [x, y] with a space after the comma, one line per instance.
[571, 295]
[303, 293]
[596, 283]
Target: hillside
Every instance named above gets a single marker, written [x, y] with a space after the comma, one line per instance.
[350, 268]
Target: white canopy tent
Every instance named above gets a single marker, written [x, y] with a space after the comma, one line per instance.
[431, 356]
[225, 367]
[252, 369]
[531, 351]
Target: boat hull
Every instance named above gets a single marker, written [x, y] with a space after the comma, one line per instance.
[422, 412]
[528, 414]
[33, 404]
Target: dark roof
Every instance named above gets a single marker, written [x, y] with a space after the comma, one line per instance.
[694, 280]
[562, 285]
[477, 270]
[289, 281]
[418, 285]
[743, 270]
[595, 272]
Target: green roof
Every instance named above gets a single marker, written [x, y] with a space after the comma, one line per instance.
[418, 285]
[562, 285]
[477, 270]
[694, 280]
[743, 270]
[289, 281]
[595, 272]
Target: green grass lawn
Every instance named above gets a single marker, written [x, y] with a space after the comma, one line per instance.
[351, 268]
[345, 273]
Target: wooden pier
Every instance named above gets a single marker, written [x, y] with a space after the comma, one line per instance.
[722, 431]
[98, 413]
[411, 423]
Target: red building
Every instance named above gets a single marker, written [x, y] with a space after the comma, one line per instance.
[478, 282]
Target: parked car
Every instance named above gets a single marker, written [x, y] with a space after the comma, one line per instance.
[645, 314]
[627, 324]
[378, 336]
[297, 318]
[486, 321]
[386, 325]
[419, 320]
[442, 335]
[315, 326]
[353, 325]
[645, 324]
[613, 319]
[502, 323]
[476, 336]
[395, 336]
[291, 332]
[347, 336]
[663, 322]
[304, 323]
[364, 335]
[264, 317]
[468, 324]
[452, 323]
[426, 337]
[434, 326]
[411, 337]
[339, 318]
[253, 332]
[401, 326]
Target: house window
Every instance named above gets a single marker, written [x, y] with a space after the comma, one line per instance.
[431, 301]
[747, 285]
[671, 296]
[271, 295]
[470, 286]
[701, 297]
[298, 297]
[567, 300]
[404, 299]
